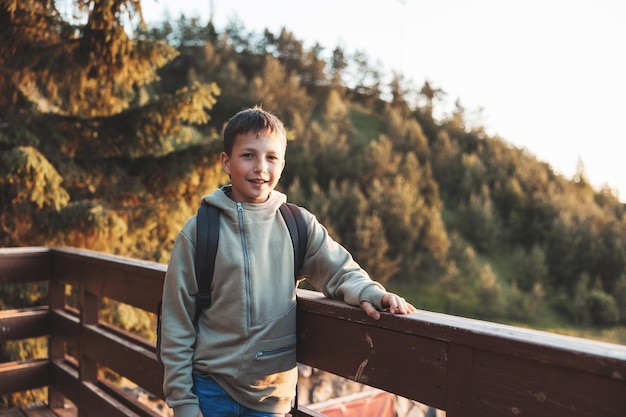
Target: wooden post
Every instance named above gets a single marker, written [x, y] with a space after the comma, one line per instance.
[87, 368]
[56, 344]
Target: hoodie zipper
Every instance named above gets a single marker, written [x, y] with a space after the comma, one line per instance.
[246, 265]
[264, 353]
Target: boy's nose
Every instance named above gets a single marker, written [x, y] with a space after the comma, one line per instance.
[260, 166]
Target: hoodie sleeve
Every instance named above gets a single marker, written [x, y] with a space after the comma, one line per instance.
[332, 270]
[178, 334]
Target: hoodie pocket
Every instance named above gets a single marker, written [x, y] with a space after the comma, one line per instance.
[271, 362]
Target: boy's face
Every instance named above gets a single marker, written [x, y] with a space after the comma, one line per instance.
[255, 166]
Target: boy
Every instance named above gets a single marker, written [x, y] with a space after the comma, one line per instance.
[241, 359]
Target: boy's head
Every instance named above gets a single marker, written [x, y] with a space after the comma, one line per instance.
[254, 154]
[253, 120]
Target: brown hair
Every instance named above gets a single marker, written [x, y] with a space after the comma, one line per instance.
[252, 120]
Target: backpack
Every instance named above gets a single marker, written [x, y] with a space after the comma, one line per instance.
[207, 236]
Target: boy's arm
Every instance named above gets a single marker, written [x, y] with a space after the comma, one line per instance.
[331, 268]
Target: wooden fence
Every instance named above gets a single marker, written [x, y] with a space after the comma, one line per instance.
[468, 368]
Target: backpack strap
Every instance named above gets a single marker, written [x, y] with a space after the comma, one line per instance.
[207, 239]
[297, 230]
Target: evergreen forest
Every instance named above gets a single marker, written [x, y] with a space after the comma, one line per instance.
[110, 135]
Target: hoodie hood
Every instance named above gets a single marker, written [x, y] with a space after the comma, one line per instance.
[220, 199]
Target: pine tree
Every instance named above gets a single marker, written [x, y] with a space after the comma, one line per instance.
[80, 110]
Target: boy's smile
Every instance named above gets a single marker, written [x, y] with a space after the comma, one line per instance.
[255, 166]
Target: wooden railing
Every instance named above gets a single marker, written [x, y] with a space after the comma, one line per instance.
[465, 367]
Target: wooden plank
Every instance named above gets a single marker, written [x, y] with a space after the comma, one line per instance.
[126, 358]
[129, 337]
[127, 280]
[128, 400]
[22, 265]
[459, 381]
[13, 412]
[410, 366]
[502, 385]
[100, 392]
[602, 365]
[584, 355]
[24, 323]
[39, 411]
[95, 402]
[22, 376]
[67, 410]
[136, 289]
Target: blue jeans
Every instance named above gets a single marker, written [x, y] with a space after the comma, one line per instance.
[215, 402]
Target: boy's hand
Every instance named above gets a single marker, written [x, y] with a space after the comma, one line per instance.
[395, 303]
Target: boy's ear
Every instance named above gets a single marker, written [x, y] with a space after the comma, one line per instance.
[225, 162]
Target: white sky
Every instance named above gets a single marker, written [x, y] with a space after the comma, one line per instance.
[550, 75]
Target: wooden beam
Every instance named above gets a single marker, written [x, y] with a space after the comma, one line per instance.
[488, 369]
[22, 376]
[344, 341]
[22, 265]
[128, 400]
[124, 357]
[505, 385]
[24, 323]
[95, 402]
[134, 282]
